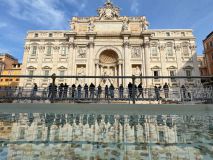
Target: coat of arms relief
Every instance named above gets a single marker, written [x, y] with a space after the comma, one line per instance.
[109, 11]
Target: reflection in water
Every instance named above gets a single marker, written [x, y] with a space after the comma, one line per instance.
[87, 136]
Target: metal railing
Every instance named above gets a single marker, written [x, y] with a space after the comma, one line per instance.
[133, 95]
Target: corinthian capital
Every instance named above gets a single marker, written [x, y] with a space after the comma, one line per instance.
[27, 48]
[126, 44]
[193, 47]
[146, 44]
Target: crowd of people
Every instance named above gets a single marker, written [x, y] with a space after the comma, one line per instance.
[91, 91]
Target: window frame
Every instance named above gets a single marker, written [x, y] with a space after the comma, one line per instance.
[48, 50]
[63, 50]
[34, 50]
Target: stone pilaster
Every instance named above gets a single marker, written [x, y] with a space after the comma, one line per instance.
[147, 61]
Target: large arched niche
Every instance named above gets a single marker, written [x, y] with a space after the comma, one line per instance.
[107, 48]
[108, 57]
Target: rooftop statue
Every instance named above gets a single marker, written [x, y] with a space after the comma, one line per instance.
[144, 23]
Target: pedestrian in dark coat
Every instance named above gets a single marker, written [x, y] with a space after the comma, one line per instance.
[60, 88]
[86, 90]
[73, 90]
[106, 92]
[130, 89]
[140, 90]
[121, 91]
[166, 90]
[99, 91]
[111, 90]
[65, 90]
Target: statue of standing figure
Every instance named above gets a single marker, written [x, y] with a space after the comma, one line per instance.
[91, 25]
[145, 23]
[125, 26]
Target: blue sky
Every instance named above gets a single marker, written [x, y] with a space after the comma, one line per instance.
[19, 16]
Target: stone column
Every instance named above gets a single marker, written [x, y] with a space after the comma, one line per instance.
[127, 67]
[70, 65]
[120, 73]
[90, 62]
[147, 62]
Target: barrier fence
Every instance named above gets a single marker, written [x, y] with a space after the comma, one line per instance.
[100, 94]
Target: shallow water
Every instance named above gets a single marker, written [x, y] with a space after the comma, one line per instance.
[91, 136]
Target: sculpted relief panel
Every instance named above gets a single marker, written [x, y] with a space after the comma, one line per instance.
[82, 52]
[81, 71]
[136, 52]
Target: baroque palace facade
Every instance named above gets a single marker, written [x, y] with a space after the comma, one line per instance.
[110, 45]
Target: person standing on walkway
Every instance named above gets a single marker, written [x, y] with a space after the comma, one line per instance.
[86, 90]
[121, 91]
[183, 91]
[157, 93]
[140, 90]
[166, 90]
[73, 90]
[111, 90]
[106, 92]
[60, 88]
[99, 92]
[130, 89]
[65, 90]
[92, 90]
[35, 89]
[79, 91]
[50, 90]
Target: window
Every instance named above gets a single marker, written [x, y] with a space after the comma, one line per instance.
[49, 50]
[39, 134]
[50, 35]
[34, 50]
[154, 51]
[31, 72]
[36, 34]
[212, 56]
[62, 73]
[46, 73]
[183, 34]
[168, 34]
[63, 51]
[211, 44]
[188, 73]
[185, 50]
[17, 80]
[172, 73]
[161, 136]
[156, 74]
[169, 50]
[22, 133]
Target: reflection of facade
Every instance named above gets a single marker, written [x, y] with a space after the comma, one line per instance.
[85, 136]
[110, 44]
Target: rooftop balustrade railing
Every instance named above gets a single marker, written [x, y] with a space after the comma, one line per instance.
[92, 94]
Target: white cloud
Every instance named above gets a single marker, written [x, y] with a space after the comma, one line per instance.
[134, 6]
[42, 12]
